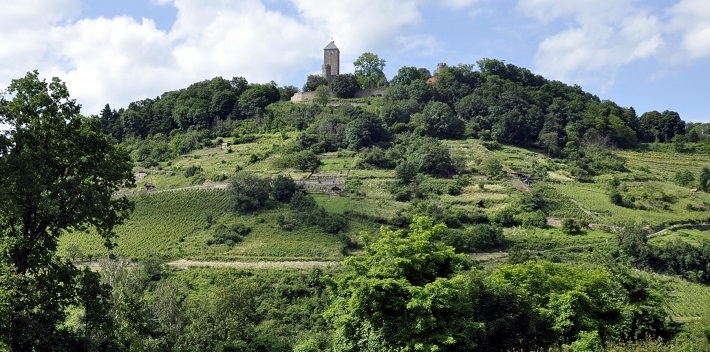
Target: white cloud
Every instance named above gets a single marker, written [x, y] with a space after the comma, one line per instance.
[458, 4]
[690, 19]
[598, 38]
[359, 26]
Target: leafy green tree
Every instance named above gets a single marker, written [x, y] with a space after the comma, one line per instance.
[322, 95]
[434, 158]
[364, 131]
[633, 242]
[283, 188]
[60, 172]
[313, 82]
[683, 178]
[404, 294]
[344, 86]
[247, 192]
[256, 98]
[286, 92]
[406, 75]
[307, 161]
[568, 300]
[661, 127]
[491, 167]
[704, 179]
[368, 70]
[439, 120]
[405, 172]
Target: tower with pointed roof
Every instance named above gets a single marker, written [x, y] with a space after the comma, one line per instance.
[331, 61]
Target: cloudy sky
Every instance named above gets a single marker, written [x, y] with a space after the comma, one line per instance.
[651, 54]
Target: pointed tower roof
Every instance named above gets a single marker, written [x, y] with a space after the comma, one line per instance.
[331, 46]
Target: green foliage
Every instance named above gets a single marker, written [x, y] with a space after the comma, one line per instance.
[476, 238]
[375, 157]
[683, 178]
[439, 120]
[364, 130]
[283, 188]
[368, 71]
[305, 212]
[321, 95]
[229, 235]
[344, 85]
[313, 82]
[403, 293]
[704, 180]
[307, 161]
[572, 226]
[254, 100]
[491, 167]
[192, 170]
[59, 174]
[248, 193]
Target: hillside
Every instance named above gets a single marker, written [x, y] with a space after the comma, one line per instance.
[517, 168]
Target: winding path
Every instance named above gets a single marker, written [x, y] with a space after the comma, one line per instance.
[184, 264]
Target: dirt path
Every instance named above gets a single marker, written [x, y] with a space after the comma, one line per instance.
[184, 264]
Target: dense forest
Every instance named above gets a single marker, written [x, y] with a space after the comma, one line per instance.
[401, 271]
[498, 102]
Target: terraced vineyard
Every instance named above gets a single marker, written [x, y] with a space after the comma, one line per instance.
[689, 301]
[175, 225]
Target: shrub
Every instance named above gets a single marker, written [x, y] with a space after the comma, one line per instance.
[248, 193]
[475, 238]
[229, 235]
[572, 226]
[192, 170]
[283, 188]
[505, 218]
[534, 219]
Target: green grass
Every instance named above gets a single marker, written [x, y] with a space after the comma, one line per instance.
[594, 199]
[688, 301]
[175, 225]
[692, 236]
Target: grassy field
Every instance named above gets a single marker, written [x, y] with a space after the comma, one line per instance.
[175, 225]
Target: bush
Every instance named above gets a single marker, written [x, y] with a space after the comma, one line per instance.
[192, 170]
[229, 235]
[533, 219]
[305, 211]
[283, 188]
[478, 237]
[505, 218]
[572, 226]
[248, 193]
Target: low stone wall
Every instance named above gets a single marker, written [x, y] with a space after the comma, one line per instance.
[301, 97]
[372, 92]
[362, 93]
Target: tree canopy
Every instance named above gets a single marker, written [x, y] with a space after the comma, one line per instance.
[59, 173]
[368, 70]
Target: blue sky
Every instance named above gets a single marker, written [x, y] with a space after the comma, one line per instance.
[651, 55]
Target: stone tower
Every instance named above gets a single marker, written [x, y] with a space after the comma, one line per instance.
[331, 61]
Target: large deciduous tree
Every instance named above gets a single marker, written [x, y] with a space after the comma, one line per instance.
[59, 173]
[313, 82]
[405, 294]
[368, 70]
[344, 86]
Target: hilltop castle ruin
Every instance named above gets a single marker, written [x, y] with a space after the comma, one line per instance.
[331, 69]
[331, 62]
